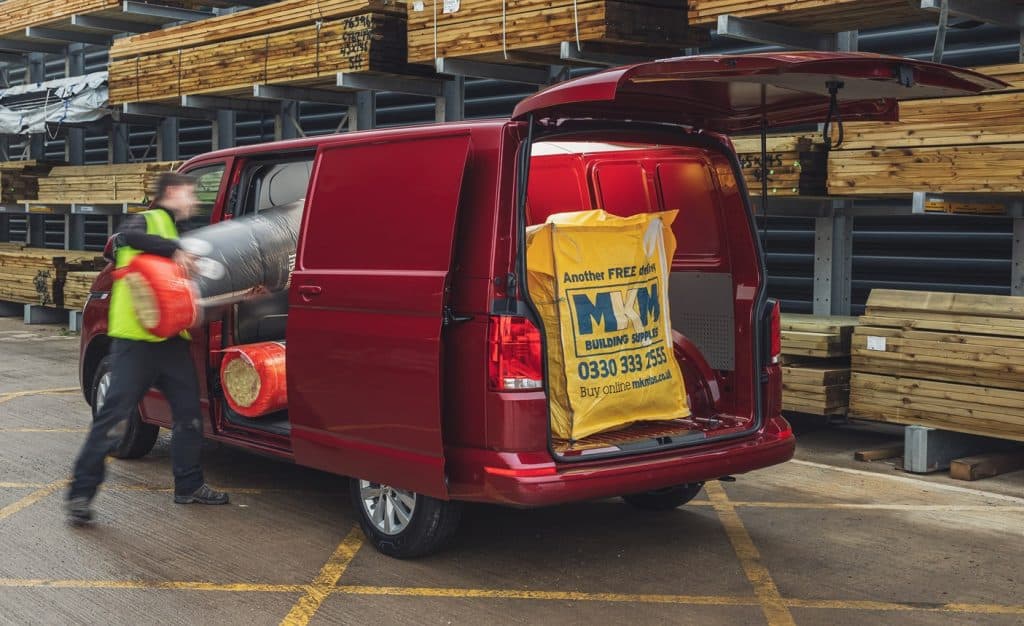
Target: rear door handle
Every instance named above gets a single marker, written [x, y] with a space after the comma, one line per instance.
[308, 292]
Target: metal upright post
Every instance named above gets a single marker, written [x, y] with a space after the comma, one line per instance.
[451, 107]
[1017, 257]
[286, 122]
[117, 149]
[363, 114]
[167, 139]
[224, 130]
[37, 74]
[74, 147]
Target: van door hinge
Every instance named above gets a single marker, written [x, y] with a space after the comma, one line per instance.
[449, 317]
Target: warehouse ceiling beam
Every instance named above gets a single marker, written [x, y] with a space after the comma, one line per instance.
[69, 36]
[112, 24]
[153, 113]
[410, 85]
[223, 103]
[304, 94]
[173, 14]
[20, 45]
[778, 35]
[996, 12]
[495, 71]
[583, 54]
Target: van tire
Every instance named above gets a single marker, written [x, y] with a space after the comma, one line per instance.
[139, 437]
[431, 526]
[664, 499]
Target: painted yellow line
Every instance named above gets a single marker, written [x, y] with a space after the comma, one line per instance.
[855, 506]
[775, 610]
[10, 395]
[146, 584]
[871, 605]
[22, 485]
[525, 594]
[44, 430]
[325, 581]
[31, 499]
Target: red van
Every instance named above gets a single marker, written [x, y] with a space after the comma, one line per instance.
[415, 363]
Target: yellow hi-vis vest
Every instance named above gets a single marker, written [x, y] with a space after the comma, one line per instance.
[122, 322]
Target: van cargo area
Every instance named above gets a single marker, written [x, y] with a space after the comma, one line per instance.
[712, 296]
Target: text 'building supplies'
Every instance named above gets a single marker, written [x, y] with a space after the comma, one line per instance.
[600, 285]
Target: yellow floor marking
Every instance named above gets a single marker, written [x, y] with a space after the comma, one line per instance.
[31, 498]
[22, 485]
[44, 430]
[523, 594]
[855, 506]
[146, 584]
[774, 608]
[324, 583]
[916, 482]
[871, 605]
[10, 395]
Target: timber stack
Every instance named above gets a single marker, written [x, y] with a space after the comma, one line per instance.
[37, 276]
[17, 15]
[952, 361]
[532, 31]
[19, 180]
[102, 184]
[816, 363]
[828, 16]
[945, 145]
[292, 42]
[77, 286]
[797, 164]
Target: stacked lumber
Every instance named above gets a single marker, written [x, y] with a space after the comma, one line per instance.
[290, 42]
[37, 276]
[98, 184]
[501, 30]
[18, 179]
[77, 286]
[829, 16]
[797, 164]
[816, 363]
[1012, 73]
[16, 15]
[941, 145]
[949, 361]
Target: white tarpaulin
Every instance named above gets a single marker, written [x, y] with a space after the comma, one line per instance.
[27, 109]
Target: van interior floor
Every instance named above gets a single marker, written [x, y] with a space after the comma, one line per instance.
[274, 423]
[641, 434]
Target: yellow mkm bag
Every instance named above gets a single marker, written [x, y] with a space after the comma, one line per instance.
[599, 283]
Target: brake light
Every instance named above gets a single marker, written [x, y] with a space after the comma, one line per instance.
[514, 354]
[776, 350]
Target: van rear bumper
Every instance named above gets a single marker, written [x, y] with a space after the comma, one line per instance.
[533, 479]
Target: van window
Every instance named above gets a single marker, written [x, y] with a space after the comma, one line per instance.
[208, 182]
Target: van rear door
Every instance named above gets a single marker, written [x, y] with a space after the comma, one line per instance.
[366, 308]
[730, 93]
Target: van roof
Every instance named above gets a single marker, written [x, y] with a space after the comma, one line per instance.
[308, 143]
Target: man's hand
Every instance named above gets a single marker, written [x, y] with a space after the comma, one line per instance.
[186, 261]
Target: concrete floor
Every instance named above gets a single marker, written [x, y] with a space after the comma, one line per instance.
[820, 540]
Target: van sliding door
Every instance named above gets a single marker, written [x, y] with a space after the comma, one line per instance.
[366, 303]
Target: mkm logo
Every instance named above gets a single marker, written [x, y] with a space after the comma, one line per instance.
[617, 310]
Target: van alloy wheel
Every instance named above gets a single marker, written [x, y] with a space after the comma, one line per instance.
[102, 387]
[389, 509]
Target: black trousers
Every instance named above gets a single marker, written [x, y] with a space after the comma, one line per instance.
[138, 366]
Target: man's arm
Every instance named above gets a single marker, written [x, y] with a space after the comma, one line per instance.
[133, 234]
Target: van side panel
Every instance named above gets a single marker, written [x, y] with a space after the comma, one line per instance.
[366, 304]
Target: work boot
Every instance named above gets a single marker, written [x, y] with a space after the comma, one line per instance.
[78, 510]
[204, 495]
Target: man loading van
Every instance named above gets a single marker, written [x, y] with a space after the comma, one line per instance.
[142, 360]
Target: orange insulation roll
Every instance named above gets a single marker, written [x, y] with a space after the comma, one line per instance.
[253, 378]
[161, 293]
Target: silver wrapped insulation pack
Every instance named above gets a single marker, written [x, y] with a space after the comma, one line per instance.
[245, 255]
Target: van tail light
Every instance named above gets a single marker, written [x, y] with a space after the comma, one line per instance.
[514, 354]
[776, 349]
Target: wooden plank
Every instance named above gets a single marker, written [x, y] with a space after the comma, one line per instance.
[986, 465]
[877, 454]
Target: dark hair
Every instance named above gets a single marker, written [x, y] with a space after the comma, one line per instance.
[171, 179]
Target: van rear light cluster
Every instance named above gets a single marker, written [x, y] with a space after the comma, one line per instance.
[514, 354]
[776, 349]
